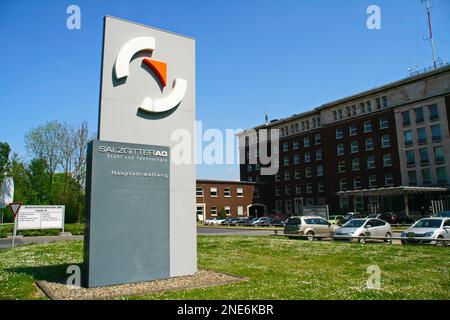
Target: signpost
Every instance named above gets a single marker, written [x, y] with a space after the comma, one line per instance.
[321, 211]
[15, 207]
[140, 196]
[36, 217]
[41, 217]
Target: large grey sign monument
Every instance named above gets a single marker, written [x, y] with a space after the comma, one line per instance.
[140, 204]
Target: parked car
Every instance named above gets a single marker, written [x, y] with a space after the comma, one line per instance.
[255, 221]
[225, 221]
[309, 226]
[234, 221]
[430, 229]
[337, 220]
[209, 221]
[278, 223]
[364, 228]
[263, 222]
[443, 214]
[244, 221]
[250, 222]
[402, 218]
[216, 221]
[352, 215]
[386, 216]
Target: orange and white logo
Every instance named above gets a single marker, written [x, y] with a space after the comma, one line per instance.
[122, 70]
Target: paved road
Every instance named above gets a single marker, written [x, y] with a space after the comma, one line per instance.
[232, 232]
[6, 243]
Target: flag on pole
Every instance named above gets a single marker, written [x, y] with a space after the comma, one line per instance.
[267, 118]
[7, 192]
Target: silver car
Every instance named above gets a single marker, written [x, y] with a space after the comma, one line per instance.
[309, 226]
[430, 229]
[364, 228]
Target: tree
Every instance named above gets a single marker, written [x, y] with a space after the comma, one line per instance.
[222, 213]
[38, 177]
[80, 140]
[46, 142]
[63, 148]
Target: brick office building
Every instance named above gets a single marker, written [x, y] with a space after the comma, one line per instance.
[386, 148]
[236, 198]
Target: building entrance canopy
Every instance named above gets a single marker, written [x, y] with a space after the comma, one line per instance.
[391, 191]
[401, 191]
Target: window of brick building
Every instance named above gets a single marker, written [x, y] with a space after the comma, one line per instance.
[370, 162]
[355, 165]
[372, 181]
[385, 141]
[426, 176]
[319, 155]
[384, 123]
[387, 160]
[436, 133]
[341, 166]
[419, 115]
[354, 148]
[389, 179]
[367, 126]
[340, 149]
[369, 144]
[412, 178]
[433, 111]
[406, 118]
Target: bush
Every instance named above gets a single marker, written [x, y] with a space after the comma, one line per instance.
[40, 233]
[7, 215]
[75, 228]
[5, 231]
[222, 213]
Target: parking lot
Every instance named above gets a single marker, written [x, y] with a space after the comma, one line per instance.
[433, 230]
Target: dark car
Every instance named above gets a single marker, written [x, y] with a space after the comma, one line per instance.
[402, 218]
[243, 221]
[388, 217]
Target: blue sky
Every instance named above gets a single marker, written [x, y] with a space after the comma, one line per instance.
[283, 56]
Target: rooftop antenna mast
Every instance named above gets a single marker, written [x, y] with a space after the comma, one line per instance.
[430, 29]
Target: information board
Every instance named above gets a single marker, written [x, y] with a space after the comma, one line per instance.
[321, 211]
[40, 217]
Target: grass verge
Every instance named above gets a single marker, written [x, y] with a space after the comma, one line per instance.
[276, 268]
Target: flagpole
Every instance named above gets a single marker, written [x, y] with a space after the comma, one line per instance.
[14, 232]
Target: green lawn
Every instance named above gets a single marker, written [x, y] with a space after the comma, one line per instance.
[276, 269]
